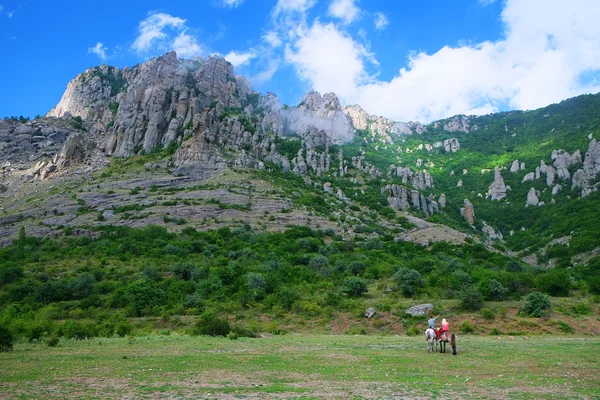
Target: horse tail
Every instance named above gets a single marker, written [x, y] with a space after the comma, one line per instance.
[453, 342]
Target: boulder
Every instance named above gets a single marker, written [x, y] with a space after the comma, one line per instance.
[370, 312]
[419, 310]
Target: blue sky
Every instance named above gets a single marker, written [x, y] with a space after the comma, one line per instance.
[407, 59]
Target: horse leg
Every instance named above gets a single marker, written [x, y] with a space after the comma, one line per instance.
[453, 343]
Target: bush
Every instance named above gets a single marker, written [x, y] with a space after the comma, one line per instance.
[242, 331]
[493, 290]
[357, 267]
[211, 325]
[354, 286]
[186, 271]
[6, 339]
[471, 299]
[557, 282]
[467, 327]
[53, 341]
[565, 328]
[414, 330]
[537, 305]
[409, 281]
[488, 314]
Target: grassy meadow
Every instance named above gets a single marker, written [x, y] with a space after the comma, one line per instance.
[303, 367]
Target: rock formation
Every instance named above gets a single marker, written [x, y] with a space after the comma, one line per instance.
[468, 212]
[401, 198]
[562, 162]
[497, 190]
[451, 145]
[533, 197]
[515, 166]
[583, 177]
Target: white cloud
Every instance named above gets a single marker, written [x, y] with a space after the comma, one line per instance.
[486, 2]
[161, 32]
[268, 72]
[232, 3]
[240, 59]
[330, 60]
[272, 38]
[345, 10]
[286, 6]
[98, 50]
[153, 28]
[380, 21]
[186, 46]
[549, 46]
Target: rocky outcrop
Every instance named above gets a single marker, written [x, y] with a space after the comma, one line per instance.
[419, 180]
[533, 197]
[442, 200]
[459, 123]
[378, 126]
[451, 145]
[320, 113]
[401, 198]
[468, 212]
[583, 177]
[562, 162]
[490, 233]
[515, 166]
[497, 190]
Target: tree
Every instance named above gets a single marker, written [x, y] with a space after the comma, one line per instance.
[409, 281]
[471, 299]
[6, 339]
[354, 286]
[537, 305]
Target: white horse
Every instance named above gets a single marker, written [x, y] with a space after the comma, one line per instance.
[431, 337]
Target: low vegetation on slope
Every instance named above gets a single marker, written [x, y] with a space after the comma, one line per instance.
[93, 286]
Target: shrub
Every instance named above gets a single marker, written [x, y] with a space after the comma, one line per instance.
[537, 305]
[124, 328]
[211, 325]
[76, 330]
[242, 331]
[409, 281]
[6, 339]
[493, 290]
[488, 314]
[357, 267]
[414, 330]
[467, 327]
[186, 271]
[557, 282]
[53, 341]
[257, 285]
[565, 328]
[495, 332]
[471, 299]
[354, 286]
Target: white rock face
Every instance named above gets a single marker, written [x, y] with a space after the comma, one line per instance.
[451, 145]
[556, 189]
[529, 177]
[490, 232]
[468, 212]
[320, 113]
[515, 166]
[533, 197]
[497, 190]
[583, 177]
[562, 162]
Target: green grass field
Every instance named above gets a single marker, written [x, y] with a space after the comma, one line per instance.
[303, 367]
